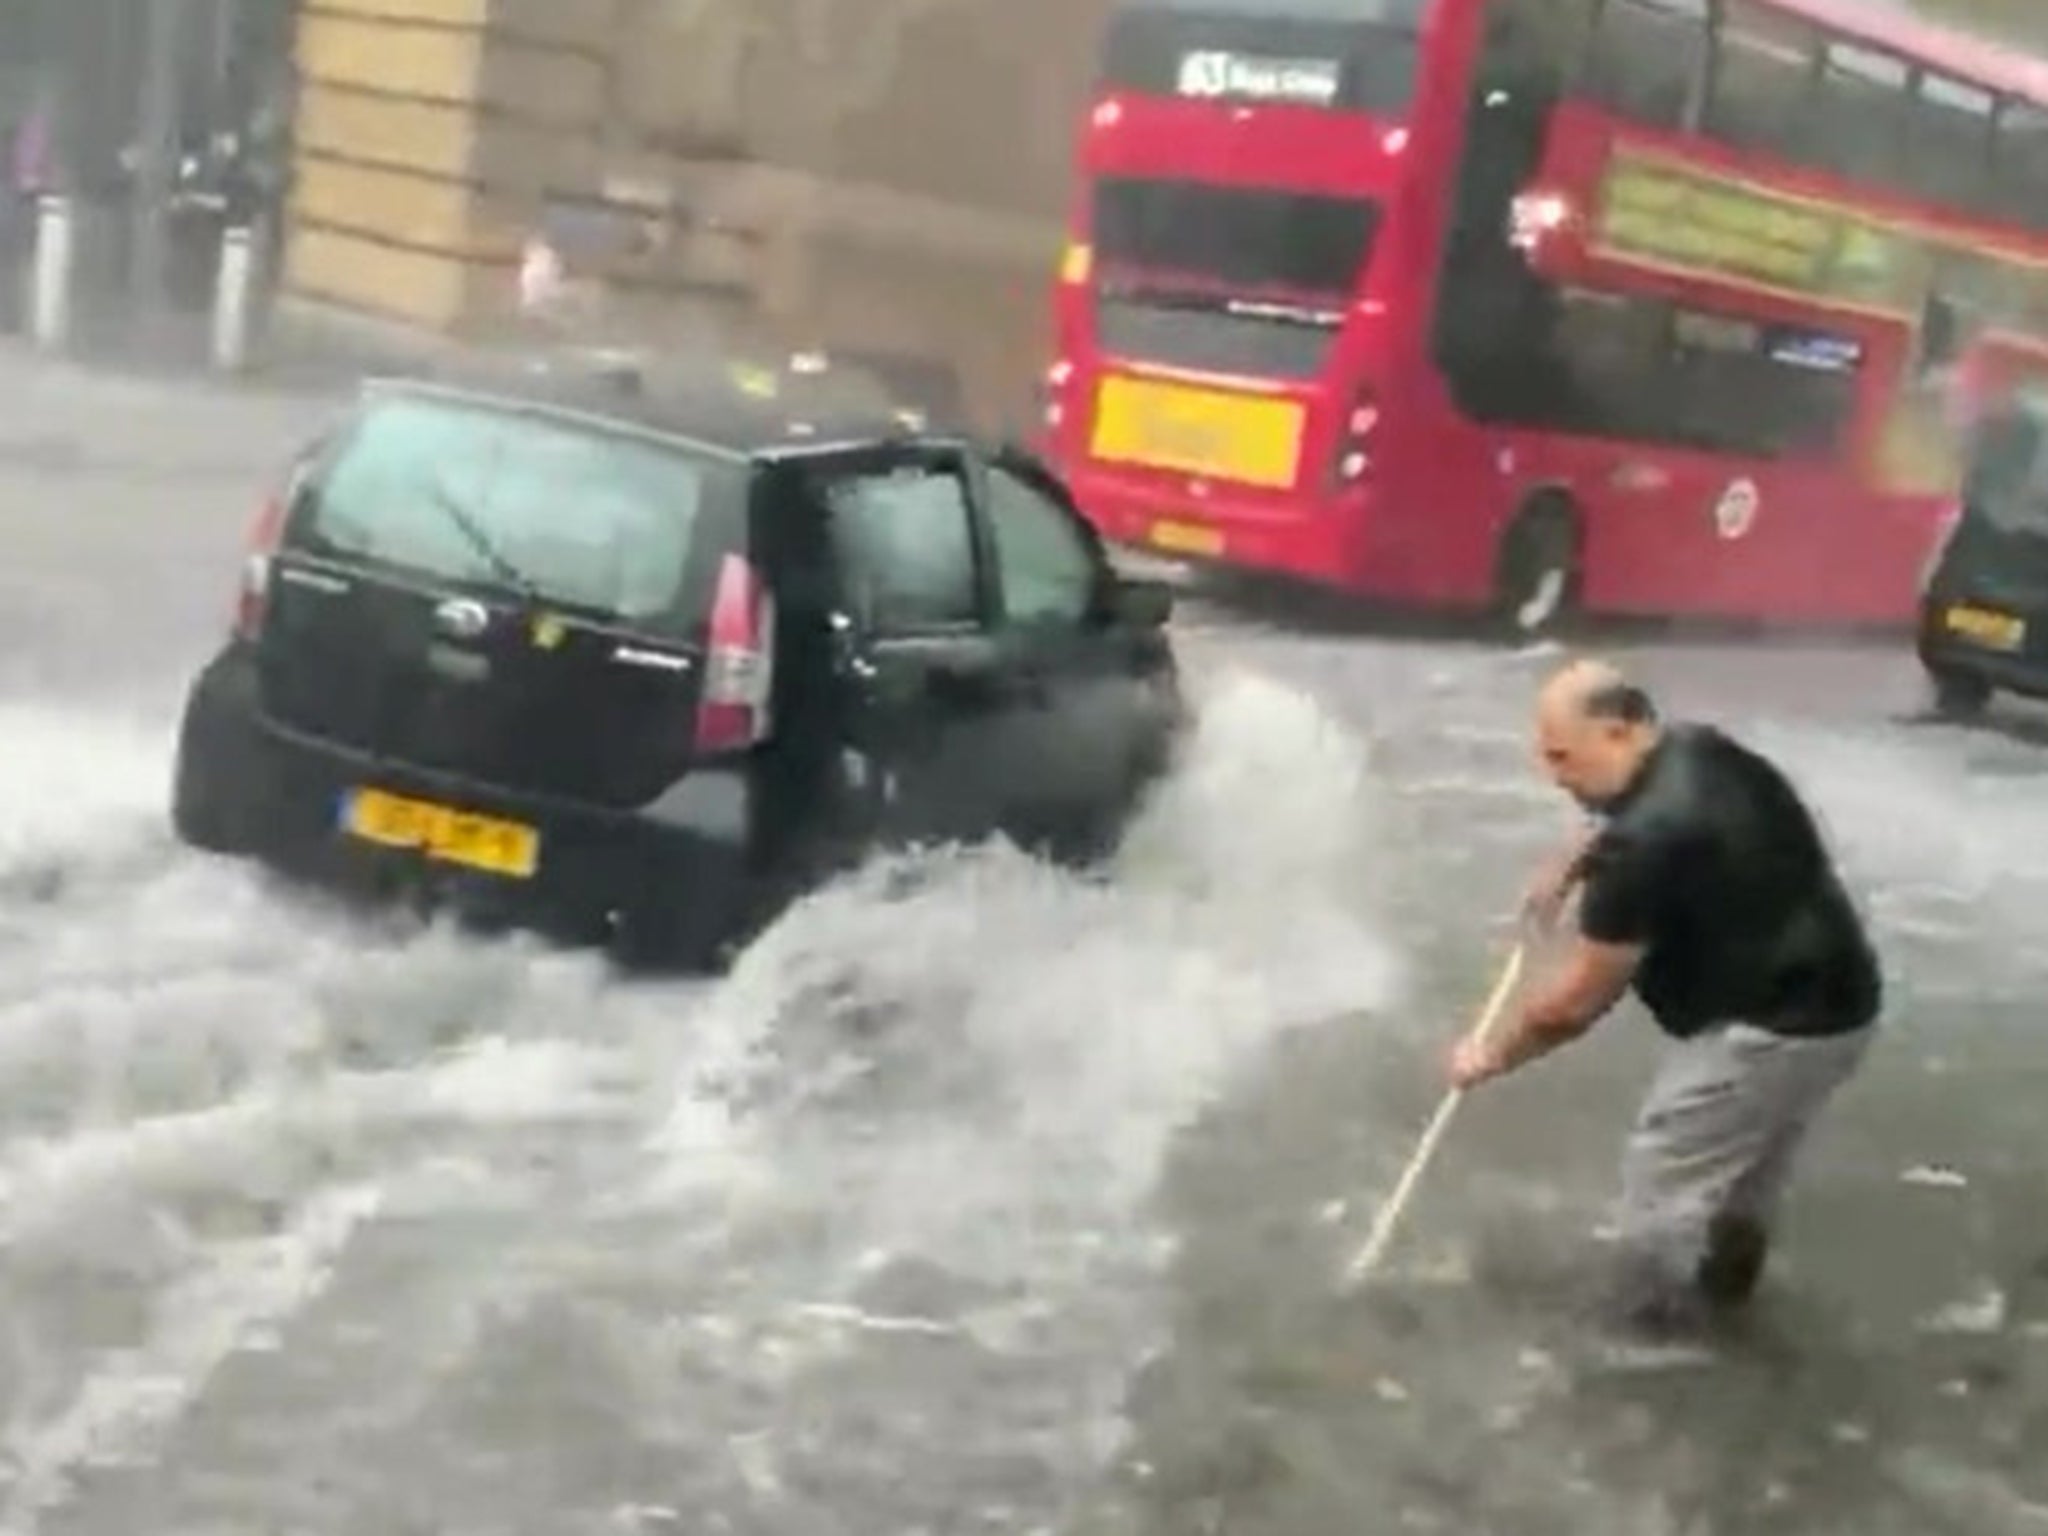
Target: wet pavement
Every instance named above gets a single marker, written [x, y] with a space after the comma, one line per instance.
[994, 1201]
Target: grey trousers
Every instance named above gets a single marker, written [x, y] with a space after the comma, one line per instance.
[1707, 1164]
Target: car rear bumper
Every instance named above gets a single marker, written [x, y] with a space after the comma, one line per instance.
[2015, 660]
[693, 843]
[2021, 674]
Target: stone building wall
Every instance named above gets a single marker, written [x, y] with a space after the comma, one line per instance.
[882, 178]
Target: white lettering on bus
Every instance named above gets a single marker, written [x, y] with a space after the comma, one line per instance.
[1212, 73]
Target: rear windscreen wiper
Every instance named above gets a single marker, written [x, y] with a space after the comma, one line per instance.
[480, 541]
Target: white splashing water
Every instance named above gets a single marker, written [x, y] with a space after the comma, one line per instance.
[121, 1410]
[1082, 1022]
[933, 1104]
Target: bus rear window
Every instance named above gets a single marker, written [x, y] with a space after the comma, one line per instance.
[1190, 239]
[1352, 55]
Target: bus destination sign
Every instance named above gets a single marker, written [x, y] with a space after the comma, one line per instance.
[1652, 209]
[1213, 73]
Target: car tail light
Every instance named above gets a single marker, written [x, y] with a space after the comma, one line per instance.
[739, 663]
[1355, 443]
[252, 599]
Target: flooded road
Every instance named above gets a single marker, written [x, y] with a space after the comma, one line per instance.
[979, 1198]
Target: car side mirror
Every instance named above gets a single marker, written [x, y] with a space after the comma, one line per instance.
[1140, 604]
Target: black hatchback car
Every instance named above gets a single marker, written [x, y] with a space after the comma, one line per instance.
[651, 658]
[1984, 606]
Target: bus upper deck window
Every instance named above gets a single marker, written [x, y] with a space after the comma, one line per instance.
[1648, 60]
[1762, 63]
[1856, 123]
[2020, 162]
[1948, 141]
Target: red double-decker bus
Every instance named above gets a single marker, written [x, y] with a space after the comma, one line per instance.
[1634, 306]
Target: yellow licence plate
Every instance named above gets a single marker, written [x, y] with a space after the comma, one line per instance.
[443, 833]
[1185, 538]
[1254, 439]
[1999, 631]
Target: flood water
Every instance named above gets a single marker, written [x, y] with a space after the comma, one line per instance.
[979, 1198]
[316, 1222]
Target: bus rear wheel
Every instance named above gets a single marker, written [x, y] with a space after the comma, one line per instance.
[1536, 583]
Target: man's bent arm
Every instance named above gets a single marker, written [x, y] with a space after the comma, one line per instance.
[1586, 986]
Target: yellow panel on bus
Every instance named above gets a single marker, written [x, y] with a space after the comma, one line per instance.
[1662, 211]
[1253, 439]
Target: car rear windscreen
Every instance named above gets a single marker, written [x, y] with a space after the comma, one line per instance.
[1352, 55]
[566, 513]
[2008, 482]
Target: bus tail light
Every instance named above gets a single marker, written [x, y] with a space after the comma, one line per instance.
[1534, 216]
[1355, 444]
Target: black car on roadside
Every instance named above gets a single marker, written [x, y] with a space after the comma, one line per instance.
[647, 655]
[1984, 605]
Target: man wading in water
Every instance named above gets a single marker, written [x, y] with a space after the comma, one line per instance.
[1708, 888]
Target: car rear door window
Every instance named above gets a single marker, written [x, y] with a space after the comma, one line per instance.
[905, 540]
[463, 491]
[1049, 569]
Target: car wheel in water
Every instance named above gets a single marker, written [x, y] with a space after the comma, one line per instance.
[1087, 842]
[1536, 588]
[1959, 695]
[219, 787]
[689, 935]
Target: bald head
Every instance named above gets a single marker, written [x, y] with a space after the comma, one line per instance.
[1594, 727]
[1591, 689]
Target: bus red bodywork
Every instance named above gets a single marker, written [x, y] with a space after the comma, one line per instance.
[1637, 350]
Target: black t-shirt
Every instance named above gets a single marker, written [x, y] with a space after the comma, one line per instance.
[1712, 862]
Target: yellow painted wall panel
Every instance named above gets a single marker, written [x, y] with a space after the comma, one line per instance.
[418, 287]
[437, 63]
[433, 13]
[446, 13]
[436, 138]
[394, 204]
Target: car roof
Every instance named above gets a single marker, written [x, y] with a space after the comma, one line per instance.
[736, 409]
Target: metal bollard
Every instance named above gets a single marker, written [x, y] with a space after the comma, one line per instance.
[234, 299]
[56, 248]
